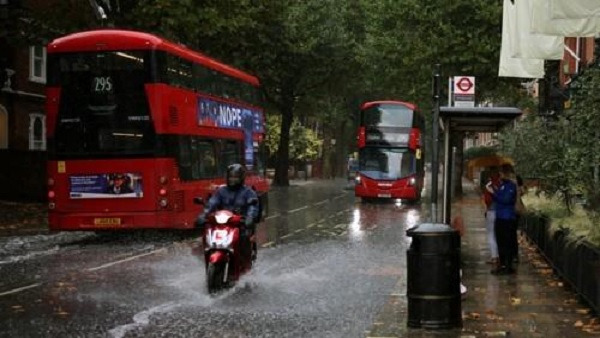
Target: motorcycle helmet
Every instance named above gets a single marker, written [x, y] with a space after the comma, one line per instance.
[236, 175]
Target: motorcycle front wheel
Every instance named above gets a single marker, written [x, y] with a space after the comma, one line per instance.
[214, 277]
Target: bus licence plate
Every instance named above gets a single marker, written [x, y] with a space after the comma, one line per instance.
[384, 195]
[107, 221]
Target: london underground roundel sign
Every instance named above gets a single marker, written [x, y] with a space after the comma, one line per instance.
[464, 85]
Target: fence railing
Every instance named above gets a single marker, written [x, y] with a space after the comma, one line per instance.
[577, 262]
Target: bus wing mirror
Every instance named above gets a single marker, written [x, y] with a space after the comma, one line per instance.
[199, 200]
[253, 201]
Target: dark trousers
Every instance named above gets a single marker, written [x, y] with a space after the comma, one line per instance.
[506, 238]
[245, 244]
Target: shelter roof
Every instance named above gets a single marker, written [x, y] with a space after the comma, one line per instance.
[479, 119]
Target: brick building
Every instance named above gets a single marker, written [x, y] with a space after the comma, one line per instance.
[22, 116]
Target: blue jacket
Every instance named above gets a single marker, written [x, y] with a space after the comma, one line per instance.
[505, 197]
[240, 201]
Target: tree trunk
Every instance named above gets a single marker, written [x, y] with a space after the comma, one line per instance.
[283, 153]
[326, 156]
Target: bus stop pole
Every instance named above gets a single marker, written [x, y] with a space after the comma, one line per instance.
[448, 163]
[434, 143]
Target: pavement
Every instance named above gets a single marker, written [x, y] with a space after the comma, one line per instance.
[18, 218]
[532, 303]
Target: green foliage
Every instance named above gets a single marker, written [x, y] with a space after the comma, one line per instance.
[304, 143]
[579, 223]
[407, 38]
[563, 150]
[319, 59]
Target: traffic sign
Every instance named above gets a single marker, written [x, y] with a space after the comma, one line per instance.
[464, 91]
[464, 85]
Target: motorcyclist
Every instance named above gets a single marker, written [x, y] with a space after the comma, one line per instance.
[235, 196]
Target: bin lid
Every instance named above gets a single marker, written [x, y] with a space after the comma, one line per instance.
[429, 228]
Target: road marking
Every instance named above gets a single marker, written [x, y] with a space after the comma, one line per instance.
[339, 196]
[23, 288]
[141, 319]
[311, 225]
[266, 245]
[273, 216]
[298, 209]
[285, 236]
[299, 230]
[343, 233]
[126, 260]
[322, 202]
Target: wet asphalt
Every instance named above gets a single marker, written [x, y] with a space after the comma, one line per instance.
[328, 266]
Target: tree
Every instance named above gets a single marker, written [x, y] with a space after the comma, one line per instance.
[304, 47]
[304, 143]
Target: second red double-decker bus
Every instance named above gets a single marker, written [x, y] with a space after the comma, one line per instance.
[390, 161]
[138, 126]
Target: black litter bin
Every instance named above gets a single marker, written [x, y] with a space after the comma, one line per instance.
[433, 286]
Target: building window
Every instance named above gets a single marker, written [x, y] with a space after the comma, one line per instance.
[37, 132]
[37, 64]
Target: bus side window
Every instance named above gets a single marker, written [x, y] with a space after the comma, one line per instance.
[227, 90]
[230, 153]
[196, 156]
[185, 74]
[172, 73]
[185, 159]
[207, 160]
[202, 78]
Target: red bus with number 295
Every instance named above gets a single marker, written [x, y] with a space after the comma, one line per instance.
[139, 126]
[390, 163]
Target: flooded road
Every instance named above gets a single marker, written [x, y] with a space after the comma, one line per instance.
[326, 265]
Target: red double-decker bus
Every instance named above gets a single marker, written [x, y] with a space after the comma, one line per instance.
[390, 161]
[137, 126]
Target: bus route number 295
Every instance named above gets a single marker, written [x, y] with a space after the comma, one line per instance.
[103, 84]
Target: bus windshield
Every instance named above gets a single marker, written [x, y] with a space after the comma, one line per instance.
[103, 110]
[386, 163]
[387, 115]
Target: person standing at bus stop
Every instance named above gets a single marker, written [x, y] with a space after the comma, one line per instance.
[490, 215]
[505, 225]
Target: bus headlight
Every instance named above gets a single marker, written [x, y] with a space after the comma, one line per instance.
[412, 181]
[163, 202]
[357, 179]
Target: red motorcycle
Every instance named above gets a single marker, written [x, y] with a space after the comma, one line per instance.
[224, 258]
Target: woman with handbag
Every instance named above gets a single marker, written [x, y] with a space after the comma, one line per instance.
[505, 225]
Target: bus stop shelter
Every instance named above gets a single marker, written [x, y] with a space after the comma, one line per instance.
[465, 119]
